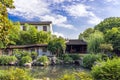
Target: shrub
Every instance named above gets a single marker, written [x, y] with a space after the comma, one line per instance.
[88, 60]
[14, 74]
[67, 58]
[83, 76]
[109, 70]
[25, 59]
[76, 76]
[68, 77]
[33, 55]
[20, 54]
[75, 56]
[5, 60]
[43, 59]
[12, 59]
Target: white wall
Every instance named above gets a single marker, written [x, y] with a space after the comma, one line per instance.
[21, 27]
[40, 52]
[40, 28]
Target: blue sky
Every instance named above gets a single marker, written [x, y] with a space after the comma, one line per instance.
[69, 17]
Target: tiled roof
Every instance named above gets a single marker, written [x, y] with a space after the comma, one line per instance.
[27, 46]
[76, 42]
[36, 23]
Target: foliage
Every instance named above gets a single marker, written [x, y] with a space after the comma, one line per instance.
[68, 77]
[57, 46]
[83, 76]
[67, 58]
[5, 60]
[43, 59]
[43, 37]
[105, 48]
[110, 27]
[32, 36]
[14, 74]
[108, 24]
[113, 37]
[70, 57]
[24, 38]
[85, 35]
[109, 70]
[76, 76]
[89, 60]
[25, 59]
[75, 56]
[5, 23]
[94, 42]
[20, 54]
[14, 34]
[34, 55]
[24, 56]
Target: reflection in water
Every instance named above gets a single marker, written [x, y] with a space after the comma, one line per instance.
[52, 72]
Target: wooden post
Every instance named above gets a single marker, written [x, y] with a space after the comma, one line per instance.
[10, 52]
[71, 49]
[0, 51]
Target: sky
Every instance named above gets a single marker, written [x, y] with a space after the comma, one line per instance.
[69, 17]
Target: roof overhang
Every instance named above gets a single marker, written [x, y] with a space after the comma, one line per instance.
[26, 46]
[36, 23]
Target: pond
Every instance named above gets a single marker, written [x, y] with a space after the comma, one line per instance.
[51, 72]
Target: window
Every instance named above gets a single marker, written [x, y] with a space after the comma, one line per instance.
[32, 49]
[44, 49]
[36, 27]
[44, 28]
[24, 28]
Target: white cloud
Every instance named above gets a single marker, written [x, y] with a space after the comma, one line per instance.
[29, 9]
[58, 1]
[115, 2]
[39, 9]
[91, 0]
[58, 20]
[81, 10]
[59, 34]
[94, 20]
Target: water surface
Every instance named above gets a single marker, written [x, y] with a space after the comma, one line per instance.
[51, 72]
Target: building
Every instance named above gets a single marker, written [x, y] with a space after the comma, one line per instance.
[76, 46]
[40, 26]
[72, 46]
[40, 49]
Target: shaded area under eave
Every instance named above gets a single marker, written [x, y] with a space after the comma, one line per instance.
[76, 46]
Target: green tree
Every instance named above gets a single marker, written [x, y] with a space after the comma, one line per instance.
[24, 38]
[33, 34]
[86, 33]
[105, 48]
[43, 37]
[94, 42]
[57, 46]
[113, 37]
[14, 34]
[108, 24]
[5, 23]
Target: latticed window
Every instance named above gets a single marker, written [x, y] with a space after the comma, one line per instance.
[24, 28]
[44, 49]
[44, 28]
